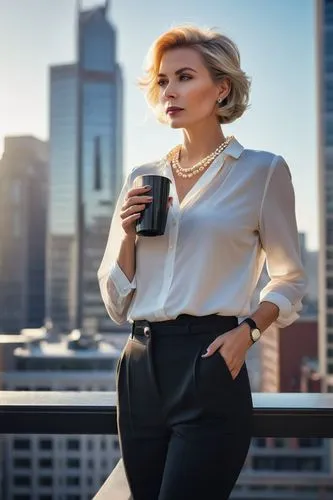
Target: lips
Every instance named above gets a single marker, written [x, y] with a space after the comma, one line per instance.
[173, 109]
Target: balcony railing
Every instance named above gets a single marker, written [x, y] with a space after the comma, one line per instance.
[275, 415]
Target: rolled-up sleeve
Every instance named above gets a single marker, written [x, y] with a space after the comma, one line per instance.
[116, 290]
[280, 242]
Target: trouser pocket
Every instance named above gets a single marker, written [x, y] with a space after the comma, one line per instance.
[219, 394]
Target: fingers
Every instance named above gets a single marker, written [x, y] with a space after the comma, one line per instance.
[127, 223]
[138, 191]
[136, 200]
[132, 210]
[233, 364]
[216, 344]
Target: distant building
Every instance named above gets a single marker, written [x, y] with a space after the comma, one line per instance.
[286, 469]
[324, 23]
[310, 262]
[86, 170]
[284, 351]
[56, 466]
[23, 211]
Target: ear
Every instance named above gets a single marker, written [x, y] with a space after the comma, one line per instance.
[224, 88]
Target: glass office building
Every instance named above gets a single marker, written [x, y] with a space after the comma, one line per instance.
[86, 171]
[325, 196]
[23, 207]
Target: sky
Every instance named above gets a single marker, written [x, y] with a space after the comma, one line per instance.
[276, 39]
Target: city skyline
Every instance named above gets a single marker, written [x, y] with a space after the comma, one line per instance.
[276, 43]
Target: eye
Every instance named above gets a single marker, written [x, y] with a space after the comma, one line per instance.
[185, 77]
[161, 83]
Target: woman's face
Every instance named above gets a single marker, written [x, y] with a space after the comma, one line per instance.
[185, 83]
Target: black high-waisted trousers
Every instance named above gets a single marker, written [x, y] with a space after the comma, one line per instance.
[184, 424]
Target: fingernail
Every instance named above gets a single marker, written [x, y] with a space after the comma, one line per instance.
[147, 187]
[206, 353]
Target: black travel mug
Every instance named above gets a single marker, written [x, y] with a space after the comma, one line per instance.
[154, 217]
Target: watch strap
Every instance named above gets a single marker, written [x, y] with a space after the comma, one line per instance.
[250, 322]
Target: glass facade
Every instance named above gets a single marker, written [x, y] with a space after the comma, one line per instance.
[86, 172]
[63, 196]
[23, 207]
[325, 169]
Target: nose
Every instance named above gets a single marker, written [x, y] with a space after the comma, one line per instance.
[169, 92]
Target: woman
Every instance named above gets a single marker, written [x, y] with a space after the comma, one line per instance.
[184, 400]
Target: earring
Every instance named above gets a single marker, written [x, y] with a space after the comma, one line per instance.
[219, 100]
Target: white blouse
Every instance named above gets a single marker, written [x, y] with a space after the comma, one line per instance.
[240, 212]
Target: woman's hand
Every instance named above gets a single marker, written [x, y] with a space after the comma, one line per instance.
[233, 346]
[135, 202]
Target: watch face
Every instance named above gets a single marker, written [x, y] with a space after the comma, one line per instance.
[255, 334]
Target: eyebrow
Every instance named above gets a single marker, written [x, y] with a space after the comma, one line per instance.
[180, 71]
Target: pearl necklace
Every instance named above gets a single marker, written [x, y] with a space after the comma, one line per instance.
[174, 154]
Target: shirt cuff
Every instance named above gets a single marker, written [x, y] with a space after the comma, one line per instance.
[287, 310]
[120, 280]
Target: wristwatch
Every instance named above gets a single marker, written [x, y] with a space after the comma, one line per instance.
[255, 333]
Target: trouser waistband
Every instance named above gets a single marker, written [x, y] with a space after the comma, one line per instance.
[184, 324]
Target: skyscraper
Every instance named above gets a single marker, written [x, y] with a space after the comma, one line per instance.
[86, 171]
[23, 208]
[325, 183]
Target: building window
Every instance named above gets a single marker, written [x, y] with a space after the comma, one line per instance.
[279, 442]
[329, 283]
[73, 481]
[259, 442]
[22, 480]
[45, 481]
[22, 444]
[329, 320]
[309, 463]
[73, 463]
[329, 254]
[310, 442]
[24, 463]
[329, 133]
[45, 463]
[45, 444]
[328, 42]
[73, 444]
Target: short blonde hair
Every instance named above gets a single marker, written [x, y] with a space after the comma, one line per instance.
[220, 56]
